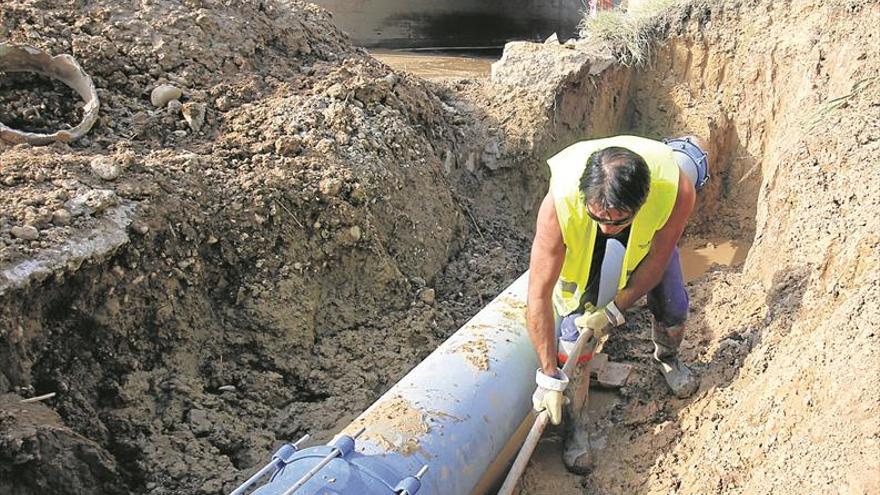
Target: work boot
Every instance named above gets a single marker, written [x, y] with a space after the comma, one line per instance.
[679, 377]
[576, 441]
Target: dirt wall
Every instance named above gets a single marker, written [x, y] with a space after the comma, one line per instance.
[786, 345]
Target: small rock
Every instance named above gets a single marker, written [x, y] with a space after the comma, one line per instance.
[419, 282]
[174, 107]
[162, 94]
[355, 233]
[223, 103]
[199, 422]
[91, 202]
[288, 145]
[27, 232]
[194, 114]
[428, 296]
[180, 133]
[227, 388]
[105, 168]
[330, 186]
[61, 217]
[140, 227]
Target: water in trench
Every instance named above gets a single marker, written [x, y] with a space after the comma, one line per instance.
[440, 64]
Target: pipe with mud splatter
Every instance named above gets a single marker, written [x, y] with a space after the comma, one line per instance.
[450, 426]
[455, 413]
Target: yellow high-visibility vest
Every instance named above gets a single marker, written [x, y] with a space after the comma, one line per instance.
[579, 230]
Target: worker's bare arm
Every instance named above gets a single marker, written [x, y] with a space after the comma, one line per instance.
[548, 253]
[649, 272]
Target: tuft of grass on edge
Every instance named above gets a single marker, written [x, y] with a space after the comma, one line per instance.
[629, 33]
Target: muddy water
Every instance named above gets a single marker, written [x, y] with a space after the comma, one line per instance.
[435, 65]
[698, 257]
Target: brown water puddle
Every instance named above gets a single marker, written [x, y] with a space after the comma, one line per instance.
[698, 257]
[431, 65]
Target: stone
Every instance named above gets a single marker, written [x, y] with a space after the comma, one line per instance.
[194, 114]
[164, 93]
[105, 168]
[174, 107]
[140, 227]
[288, 145]
[537, 65]
[199, 422]
[355, 232]
[428, 296]
[330, 186]
[27, 232]
[61, 217]
[91, 202]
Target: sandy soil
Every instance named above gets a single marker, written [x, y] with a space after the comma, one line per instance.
[197, 294]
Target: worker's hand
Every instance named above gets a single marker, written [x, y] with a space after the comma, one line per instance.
[548, 394]
[601, 321]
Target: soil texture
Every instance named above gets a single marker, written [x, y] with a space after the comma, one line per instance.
[33, 102]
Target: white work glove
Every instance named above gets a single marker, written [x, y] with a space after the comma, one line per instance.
[601, 321]
[548, 394]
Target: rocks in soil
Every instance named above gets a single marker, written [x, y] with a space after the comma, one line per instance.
[105, 167]
[26, 232]
[194, 113]
[91, 202]
[428, 296]
[61, 217]
[164, 93]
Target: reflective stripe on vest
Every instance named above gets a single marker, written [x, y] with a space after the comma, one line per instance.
[579, 231]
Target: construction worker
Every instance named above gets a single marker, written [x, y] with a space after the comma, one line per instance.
[639, 192]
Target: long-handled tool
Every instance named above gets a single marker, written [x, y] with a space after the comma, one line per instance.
[612, 268]
[525, 452]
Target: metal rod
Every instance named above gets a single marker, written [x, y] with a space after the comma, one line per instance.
[422, 472]
[301, 441]
[312, 472]
[253, 479]
[271, 466]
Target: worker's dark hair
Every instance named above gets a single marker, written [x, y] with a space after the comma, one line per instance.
[616, 178]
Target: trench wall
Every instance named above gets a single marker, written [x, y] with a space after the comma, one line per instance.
[786, 94]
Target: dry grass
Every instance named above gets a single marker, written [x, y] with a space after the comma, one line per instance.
[629, 33]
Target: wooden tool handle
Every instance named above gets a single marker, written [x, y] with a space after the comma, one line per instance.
[528, 448]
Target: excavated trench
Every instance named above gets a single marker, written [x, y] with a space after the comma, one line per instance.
[182, 357]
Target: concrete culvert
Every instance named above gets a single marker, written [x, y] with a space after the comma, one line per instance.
[335, 219]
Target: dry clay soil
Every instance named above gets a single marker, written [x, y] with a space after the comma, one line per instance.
[232, 285]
